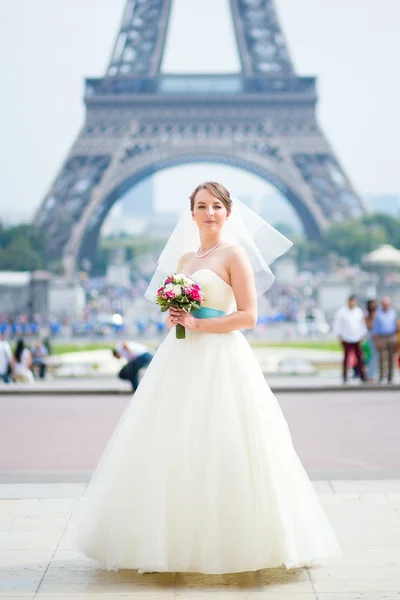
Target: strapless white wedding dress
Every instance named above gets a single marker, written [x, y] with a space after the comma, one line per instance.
[200, 474]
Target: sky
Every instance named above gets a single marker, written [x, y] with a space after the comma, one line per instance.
[47, 47]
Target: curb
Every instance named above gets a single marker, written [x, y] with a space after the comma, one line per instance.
[83, 477]
[32, 391]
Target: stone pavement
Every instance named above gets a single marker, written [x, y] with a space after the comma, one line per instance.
[348, 442]
[60, 438]
[38, 559]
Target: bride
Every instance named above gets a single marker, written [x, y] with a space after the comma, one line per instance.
[200, 474]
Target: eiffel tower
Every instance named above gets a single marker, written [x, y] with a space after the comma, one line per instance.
[139, 121]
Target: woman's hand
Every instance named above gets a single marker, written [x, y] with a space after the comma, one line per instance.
[181, 317]
[168, 322]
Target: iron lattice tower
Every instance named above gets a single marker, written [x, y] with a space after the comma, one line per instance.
[139, 121]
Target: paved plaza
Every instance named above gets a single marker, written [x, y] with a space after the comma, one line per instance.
[49, 445]
[38, 558]
[60, 438]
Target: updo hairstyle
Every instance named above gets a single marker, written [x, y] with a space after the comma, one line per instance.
[217, 190]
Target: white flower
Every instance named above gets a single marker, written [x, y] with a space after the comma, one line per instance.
[178, 290]
[169, 287]
[179, 276]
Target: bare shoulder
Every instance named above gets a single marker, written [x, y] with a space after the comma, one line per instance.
[241, 277]
[184, 259]
[237, 258]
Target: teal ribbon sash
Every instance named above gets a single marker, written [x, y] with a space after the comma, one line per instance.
[207, 313]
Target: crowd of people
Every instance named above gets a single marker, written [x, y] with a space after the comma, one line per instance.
[370, 339]
[16, 326]
[24, 364]
[90, 326]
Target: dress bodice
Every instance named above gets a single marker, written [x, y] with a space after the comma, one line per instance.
[217, 293]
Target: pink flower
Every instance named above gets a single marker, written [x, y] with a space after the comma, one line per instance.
[195, 294]
[168, 280]
[159, 291]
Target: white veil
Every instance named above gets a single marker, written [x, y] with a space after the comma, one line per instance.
[262, 243]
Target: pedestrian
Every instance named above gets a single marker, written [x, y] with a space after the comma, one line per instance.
[137, 356]
[349, 325]
[5, 359]
[22, 363]
[39, 354]
[372, 365]
[397, 360]
[385, 330]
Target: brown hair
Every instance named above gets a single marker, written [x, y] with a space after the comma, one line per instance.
[217, 190]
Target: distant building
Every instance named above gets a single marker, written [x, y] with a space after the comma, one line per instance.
[24, 292]
[40, 293]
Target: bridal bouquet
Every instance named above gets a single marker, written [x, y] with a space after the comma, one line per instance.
[181, 291]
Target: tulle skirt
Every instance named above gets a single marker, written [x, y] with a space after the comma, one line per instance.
[200, 474]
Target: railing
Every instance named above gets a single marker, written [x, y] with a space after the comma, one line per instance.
[198, 85]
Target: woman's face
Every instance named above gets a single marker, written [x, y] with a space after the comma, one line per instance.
[209, 213]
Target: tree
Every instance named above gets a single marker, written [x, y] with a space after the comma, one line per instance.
[21, 248]
[390, 224]
[350, 240]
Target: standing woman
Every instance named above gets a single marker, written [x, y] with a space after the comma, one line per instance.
[372, 366]
[22, 363]
[201, 474]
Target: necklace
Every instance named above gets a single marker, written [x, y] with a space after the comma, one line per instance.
[208, 251]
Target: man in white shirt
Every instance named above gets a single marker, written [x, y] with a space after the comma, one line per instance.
[349, 325]
[137, 356]
[5, 359]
